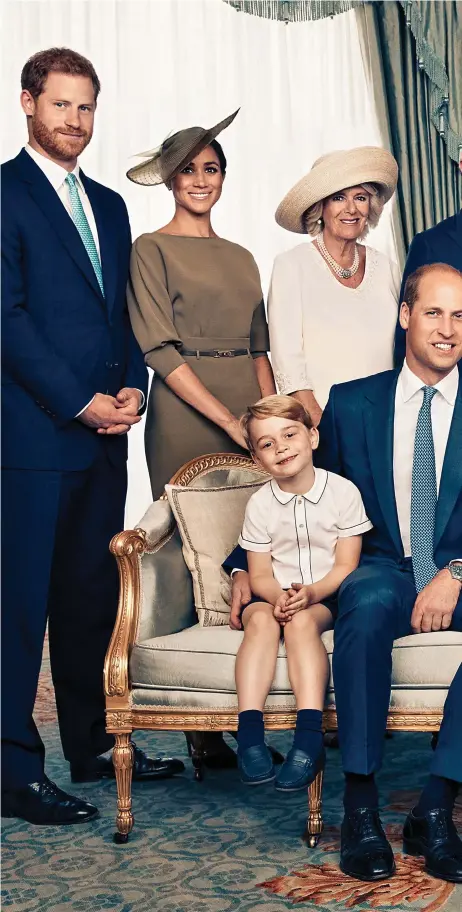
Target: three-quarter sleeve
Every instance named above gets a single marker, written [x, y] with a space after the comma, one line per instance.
[286, 327]
[259, 335]
[151, 310]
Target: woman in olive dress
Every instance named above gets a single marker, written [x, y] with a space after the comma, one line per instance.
[197, 310]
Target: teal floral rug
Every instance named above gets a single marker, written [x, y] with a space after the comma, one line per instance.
[213, 846]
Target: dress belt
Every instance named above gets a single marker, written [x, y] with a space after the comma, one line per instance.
[215, 352]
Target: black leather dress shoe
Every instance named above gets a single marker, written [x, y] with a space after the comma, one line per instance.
[365, 852]
[435, 837]
[44, 803]
[144, 768]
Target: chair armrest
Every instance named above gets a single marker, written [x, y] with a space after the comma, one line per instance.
[157, 523]
[155, 596]
[126, 547]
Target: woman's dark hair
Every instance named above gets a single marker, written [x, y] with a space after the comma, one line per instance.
[36, 70]
[215, 145]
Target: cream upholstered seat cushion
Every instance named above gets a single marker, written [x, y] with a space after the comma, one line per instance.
[196, 667]
[209, 521]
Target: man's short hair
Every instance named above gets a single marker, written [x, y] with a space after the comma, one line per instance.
[274, 407]
[56, 60]
[411, 288]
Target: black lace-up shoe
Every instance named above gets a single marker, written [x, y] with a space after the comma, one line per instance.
[365, 852]
[435, 837]
[144, 768]
[44, 803]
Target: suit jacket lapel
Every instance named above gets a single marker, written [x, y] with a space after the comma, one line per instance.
[379, 424]
[451, 475]
[107, 239]
[49, 202]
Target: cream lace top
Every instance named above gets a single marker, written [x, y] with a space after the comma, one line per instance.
[323, 333]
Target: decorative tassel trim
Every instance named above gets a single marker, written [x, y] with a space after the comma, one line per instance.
[293, 10]
[435, 69]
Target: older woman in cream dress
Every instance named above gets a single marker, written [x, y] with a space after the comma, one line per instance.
[332, 303]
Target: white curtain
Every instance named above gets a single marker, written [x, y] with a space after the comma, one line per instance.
[168, 64]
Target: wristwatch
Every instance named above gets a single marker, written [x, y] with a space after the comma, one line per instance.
[455, 569]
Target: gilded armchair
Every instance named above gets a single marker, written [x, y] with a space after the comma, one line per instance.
[155, 675]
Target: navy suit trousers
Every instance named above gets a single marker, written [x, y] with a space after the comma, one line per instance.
[374, 609]
[56, 565]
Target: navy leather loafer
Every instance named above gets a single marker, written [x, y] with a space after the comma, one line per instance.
[256, 765]
[299, 770]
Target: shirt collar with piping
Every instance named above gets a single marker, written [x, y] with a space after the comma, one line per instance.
[313, 495]
[55, 173]
[410, 384]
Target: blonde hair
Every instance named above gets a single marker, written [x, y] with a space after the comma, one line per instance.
[377, 201]
[274, 407]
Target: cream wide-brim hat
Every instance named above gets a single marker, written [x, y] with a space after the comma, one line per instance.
[175, 153]
[332, 173]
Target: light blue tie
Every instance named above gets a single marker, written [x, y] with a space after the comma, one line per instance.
[81, 223]
[423, 495]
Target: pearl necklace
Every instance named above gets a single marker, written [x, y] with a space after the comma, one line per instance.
[339, 270]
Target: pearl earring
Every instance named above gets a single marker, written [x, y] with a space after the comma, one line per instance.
[319, 221]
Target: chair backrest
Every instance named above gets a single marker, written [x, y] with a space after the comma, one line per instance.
[218, 470]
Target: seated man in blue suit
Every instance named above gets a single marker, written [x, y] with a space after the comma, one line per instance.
[398, 437]
[440, 244]
[73, 383]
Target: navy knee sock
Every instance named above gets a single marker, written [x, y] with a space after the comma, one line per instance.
[308, 731]
[250, 730]
[360, 792]
[438, 793]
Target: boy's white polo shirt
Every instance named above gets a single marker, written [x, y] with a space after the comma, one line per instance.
[301, 530]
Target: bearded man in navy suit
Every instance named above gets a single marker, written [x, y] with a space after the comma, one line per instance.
[73, 383]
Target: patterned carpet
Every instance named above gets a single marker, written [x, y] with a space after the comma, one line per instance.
[212, 846]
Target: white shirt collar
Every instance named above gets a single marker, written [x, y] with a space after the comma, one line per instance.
[410, 384]
[55, 173]
[313, 495]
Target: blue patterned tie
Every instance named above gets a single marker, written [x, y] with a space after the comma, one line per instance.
[81, 223]
[423, 495]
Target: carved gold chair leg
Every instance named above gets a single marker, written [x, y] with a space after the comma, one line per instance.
[197, 750]
[123, 758]
[314, 823]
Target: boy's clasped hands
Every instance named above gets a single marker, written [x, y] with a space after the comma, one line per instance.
[295, 599]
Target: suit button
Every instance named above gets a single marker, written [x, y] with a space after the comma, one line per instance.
[109, 365]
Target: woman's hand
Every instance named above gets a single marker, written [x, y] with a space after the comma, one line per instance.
[233, 429]
[309, 401]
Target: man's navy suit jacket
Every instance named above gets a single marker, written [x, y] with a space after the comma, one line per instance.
[356, 441]
[62, 341]
[441, 244]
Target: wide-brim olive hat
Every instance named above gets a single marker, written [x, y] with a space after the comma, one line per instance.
[332, 173]
[175, 153]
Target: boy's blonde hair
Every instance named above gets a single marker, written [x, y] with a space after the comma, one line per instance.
[274, 407]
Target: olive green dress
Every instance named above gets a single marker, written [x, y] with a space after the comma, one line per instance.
[197, 294]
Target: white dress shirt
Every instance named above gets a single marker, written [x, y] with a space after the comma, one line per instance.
[408, 400]
[57, 174]
[301, 530]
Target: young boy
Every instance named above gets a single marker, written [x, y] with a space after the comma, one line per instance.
[302, 531]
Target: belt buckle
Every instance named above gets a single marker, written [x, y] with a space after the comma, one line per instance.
[226, 353]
